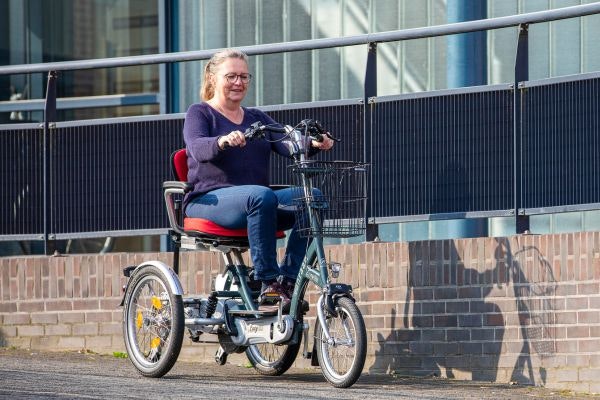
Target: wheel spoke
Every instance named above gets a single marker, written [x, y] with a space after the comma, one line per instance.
[341, 354]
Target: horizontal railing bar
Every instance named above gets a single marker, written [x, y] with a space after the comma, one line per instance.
[141, 118]
[560, 209]
[315, 44]
[19, 238]
[310, 104]
[117, 120]
[86, 235]
[101, 234]
[561, 79]
[113, 100]
[444, 92]
[19, 127]
[441, 216]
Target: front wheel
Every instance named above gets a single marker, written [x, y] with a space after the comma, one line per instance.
[342, 360]
[153, 322]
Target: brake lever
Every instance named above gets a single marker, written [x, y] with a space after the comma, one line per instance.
[254, 129]
[250, 133]
[317, 131]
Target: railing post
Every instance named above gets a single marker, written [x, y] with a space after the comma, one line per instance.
[49, 118]
[370, 91]
[521, 74]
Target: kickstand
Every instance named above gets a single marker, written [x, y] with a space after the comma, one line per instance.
[305, 353]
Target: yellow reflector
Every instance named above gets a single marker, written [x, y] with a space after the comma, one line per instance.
[156, 302]
[155, 343]
[139, 320]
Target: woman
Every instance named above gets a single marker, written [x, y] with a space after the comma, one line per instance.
[231, 176]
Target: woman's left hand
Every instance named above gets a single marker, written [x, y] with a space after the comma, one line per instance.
[326, 144]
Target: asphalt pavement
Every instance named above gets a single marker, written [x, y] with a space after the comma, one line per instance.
[80, 375]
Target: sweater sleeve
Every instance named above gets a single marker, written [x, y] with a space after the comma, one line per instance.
[200, 140]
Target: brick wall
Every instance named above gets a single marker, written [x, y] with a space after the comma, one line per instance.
[524, 308]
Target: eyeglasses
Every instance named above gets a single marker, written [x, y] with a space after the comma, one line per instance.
[232, 78]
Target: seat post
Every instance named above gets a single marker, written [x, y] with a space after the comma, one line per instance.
[178, 217]
[177, 239]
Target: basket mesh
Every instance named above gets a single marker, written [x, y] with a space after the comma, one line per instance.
[338, 196]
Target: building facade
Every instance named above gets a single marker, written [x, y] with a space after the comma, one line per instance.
[37, 31]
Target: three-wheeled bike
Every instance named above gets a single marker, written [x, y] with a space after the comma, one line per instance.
[329, 202]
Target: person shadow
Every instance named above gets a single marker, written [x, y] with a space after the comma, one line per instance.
[459, 318]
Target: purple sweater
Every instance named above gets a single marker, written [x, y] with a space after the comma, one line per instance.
[211, 168]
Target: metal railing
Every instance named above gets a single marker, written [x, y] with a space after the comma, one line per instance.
[481, 158]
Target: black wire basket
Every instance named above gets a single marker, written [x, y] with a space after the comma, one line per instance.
[339, 197]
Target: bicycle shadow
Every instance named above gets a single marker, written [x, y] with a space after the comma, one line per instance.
[534, 287]
[457, 323]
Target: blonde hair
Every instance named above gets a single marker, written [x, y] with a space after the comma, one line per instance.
[207, 91]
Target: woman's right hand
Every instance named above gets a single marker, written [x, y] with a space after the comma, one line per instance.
[233, 139]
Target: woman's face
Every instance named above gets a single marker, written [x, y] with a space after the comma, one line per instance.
[224, 90]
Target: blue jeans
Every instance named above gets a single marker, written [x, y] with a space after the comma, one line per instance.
[260, 210]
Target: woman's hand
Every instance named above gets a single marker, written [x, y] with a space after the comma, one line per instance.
[326, 144]
[233, 139]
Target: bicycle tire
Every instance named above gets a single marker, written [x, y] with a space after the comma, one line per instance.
[260, 357]
[153, 323]
[350, 320]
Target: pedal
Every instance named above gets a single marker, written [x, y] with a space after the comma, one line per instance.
[270, 298]
[220, 356]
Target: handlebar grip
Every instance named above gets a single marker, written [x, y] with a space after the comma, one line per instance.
[274, 129]
[317, 137]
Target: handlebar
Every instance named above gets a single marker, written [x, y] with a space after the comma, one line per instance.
[311, 128]
[297, 139]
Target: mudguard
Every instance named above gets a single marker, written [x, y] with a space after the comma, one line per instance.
[172, 278]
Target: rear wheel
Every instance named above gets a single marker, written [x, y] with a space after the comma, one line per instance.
[272, 359]
[153, 322]
[342, 360]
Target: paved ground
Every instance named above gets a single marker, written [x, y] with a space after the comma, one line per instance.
[70, 375]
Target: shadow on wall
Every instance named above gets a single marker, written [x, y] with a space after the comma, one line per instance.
[3, 342]
[449, 326]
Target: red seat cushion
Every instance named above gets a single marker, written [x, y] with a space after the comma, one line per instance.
[209, 227]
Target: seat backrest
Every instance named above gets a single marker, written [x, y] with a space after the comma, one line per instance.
[179, 165]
